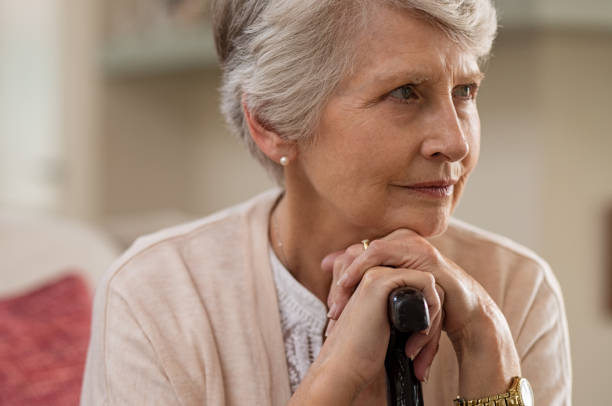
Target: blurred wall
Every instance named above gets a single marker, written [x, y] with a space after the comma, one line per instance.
[30, 87]
[49, 83]
[81, 167]
[166, 146]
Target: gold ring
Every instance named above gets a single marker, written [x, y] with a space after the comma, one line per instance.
[365, 243]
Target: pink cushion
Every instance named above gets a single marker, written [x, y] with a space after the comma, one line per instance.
[43, 344]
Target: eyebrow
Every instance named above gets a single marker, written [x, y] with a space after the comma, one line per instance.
[418, 77]
[473, 75]
[415, 77]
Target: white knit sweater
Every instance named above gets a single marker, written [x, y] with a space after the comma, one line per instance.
[303, 317]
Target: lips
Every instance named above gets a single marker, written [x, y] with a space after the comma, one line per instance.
[439, 188]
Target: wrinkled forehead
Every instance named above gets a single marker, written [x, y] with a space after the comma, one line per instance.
[401, 46]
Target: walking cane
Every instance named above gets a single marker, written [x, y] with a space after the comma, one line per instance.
[407, 314]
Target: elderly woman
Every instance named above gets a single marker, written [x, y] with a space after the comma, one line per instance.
[365, 112]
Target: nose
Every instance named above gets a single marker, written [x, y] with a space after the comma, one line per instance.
[445, 137]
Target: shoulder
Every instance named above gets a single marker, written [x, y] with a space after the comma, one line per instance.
[163, 299]
[471, 240]
[528, 293]
[512, 273]
[472, 245]
[173, 259]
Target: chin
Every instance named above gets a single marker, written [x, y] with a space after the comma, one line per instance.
[435, 224]
[425, 223]
[425, 216]
[432, 227]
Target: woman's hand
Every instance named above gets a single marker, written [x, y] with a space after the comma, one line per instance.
[422, 346]
[352, 357]
[478, 330]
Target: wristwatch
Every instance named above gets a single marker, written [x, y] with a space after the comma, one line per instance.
[519, 394]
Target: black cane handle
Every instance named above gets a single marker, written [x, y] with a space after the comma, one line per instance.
[408, 314]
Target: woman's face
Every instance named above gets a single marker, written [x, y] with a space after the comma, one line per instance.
[398, 139]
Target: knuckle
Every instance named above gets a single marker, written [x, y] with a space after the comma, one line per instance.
[340, 262]
[428, 250]
[375, 246]
[354, 250]
[415, 238]
[341, 259]
[440, 291]
[404, 232]
[337, 263]
[431, 280]
[370, 277]
[344, 263]
[424, 246]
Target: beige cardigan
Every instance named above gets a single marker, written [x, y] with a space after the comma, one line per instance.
[189, 316]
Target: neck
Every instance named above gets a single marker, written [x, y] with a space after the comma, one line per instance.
[302, 235]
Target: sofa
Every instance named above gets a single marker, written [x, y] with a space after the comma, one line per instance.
[49, 268]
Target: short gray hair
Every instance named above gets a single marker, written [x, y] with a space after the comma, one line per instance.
[284, 58]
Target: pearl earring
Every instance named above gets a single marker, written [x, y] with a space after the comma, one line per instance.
[284, 160]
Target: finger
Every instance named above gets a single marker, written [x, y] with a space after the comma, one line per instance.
[346, 258]
[428, 287]
[422, 349]
[330, 327]
[436, 311]
[422, 281]
[327, 264]
[337, 293]
[422, 362]
[415, 344]
[352, 252]
[417, 341]
[340, 297]
[400, 233]
[411, 252]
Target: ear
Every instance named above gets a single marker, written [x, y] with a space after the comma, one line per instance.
[268, 141]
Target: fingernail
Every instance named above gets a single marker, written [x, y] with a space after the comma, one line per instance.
[342, 279]
[330, 324]
[412, 356]
[426, 379]
[332, 311]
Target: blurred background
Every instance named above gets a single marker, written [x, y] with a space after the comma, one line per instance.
[109, 128]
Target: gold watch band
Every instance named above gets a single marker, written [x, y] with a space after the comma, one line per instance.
[504, 399]
[510, 398]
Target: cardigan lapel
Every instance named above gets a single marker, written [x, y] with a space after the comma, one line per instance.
[267, 308]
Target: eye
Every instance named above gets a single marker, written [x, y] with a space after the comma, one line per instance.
[466, 92]
[404, 93]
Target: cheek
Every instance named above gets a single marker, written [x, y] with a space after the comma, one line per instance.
[355, 148]
[472, 132]
[335, 166]
[470, 123]
[473, 135]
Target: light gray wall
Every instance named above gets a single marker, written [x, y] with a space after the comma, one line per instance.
[568, 13]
